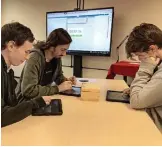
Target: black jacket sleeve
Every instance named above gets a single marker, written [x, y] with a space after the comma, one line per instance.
[11, 114]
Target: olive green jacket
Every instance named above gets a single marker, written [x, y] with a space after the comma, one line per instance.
[29, 86]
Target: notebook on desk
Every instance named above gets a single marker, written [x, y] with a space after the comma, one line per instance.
[75, 91]
[117, 96]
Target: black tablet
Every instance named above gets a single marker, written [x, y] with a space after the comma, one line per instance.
[75, 91]
[83, 80]
[117, 96]
[54, 108]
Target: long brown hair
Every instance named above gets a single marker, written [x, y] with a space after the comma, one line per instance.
[56, 37]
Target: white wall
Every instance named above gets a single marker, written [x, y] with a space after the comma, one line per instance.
[128, 13]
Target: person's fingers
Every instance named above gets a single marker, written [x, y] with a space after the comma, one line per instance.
[74, 80]
[126, 91]
[47, 102]
[47, 99]
[69, 82]
[157, 60]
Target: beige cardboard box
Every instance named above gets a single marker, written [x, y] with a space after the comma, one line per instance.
[90, 92]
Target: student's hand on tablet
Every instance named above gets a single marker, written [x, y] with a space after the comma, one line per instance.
[65, 86]
[126, 91]
[47, 99]
[72, 79]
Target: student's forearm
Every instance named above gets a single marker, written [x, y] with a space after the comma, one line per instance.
[10, 115]
[143, 88]
[35, 91]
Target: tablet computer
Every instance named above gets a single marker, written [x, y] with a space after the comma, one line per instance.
[75, 91]
[117, 96]
[54, 108]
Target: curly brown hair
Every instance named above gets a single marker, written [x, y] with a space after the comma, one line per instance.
[142, 37]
